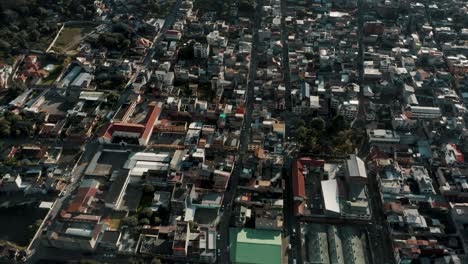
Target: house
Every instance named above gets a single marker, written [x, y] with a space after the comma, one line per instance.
[82, 199]
[75, 232]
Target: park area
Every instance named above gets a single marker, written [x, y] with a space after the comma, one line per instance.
[70, 38]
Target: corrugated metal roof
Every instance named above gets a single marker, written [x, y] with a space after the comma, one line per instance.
[330, 195]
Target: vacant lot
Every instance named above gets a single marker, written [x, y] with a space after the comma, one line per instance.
[70, 38]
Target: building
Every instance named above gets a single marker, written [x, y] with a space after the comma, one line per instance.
[83, 198]
[301, 169]
[331, 196]
[79, 232]
[119, 182]
[141, 133]
[423, 112]
[384, 139]
[201, 51]
[255, 246]
[356, 169]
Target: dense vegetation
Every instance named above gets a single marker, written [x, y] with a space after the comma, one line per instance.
[31, 24]
[318, 137]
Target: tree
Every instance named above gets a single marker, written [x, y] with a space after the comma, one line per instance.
[312, 143]
[148, 188]
[130, 221]
[124, 29]
[338, 124]
[4, 45]
[246, 5]
[144, 221]
[157, 220]
[186, 52]
[12, 162]
[136, 261]
[317, 124]
[146, 212]
[113, 98]
[156, 261]
[5, 127]
[301, 133]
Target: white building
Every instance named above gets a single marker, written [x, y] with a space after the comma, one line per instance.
[382, 138]
[356, 169]
[201, 51]
[349, 109]
[330, 195]
[424, 112]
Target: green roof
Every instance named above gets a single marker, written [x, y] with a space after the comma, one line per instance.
[255, 246]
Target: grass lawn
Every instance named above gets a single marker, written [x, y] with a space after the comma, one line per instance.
[70, 38]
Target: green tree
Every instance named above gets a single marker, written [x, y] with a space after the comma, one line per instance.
[144, 221]
[146, 212]
[338, 124]
[5, 127]
[156, 261]
[113, 98]
[12, 162]
[129, 221]
[317, 124]
[301, 134]
[157, 220]
[148, 188]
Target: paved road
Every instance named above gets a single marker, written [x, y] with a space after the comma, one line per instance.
[379, 236]
[292, 227]
[229, 195]
[168, 23]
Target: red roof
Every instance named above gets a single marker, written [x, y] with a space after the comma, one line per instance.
[298, 176]
[123, 127]
[240, 111]
[82, 197]
[298, 180]
[144, 130]
[151, 120]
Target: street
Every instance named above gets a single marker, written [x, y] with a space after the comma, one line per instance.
[292, 227]
[229, 195]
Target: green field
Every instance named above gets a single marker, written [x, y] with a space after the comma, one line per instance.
[70, 38]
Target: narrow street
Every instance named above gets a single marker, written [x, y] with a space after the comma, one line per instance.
[292, 227]
[170, 20]
[229, 195]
